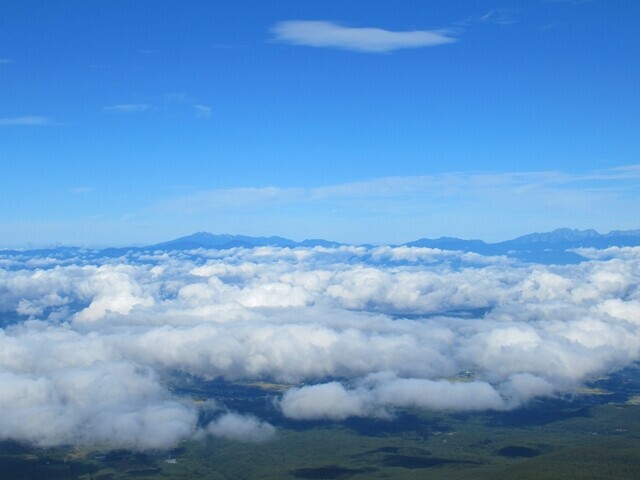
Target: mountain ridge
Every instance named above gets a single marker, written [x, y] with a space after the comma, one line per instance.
[540, 247]
[545, 247]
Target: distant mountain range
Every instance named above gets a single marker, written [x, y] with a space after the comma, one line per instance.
[548, 247]
[221, 242]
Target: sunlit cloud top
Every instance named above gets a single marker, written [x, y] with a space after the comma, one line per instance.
[96, 341]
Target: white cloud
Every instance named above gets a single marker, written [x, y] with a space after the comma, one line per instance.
[521, 387]
[438, 395]
[86, 365]
[127, 108]
[501, 16]
[326, 401]
[379, 392]
[172, 104]
[369, 40]
[202, 111]
[111, 403]
[113, 290]
[241, 428]
[25, 120]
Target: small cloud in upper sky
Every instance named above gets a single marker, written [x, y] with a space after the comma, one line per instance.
[4, 61]
[501, 16]
[202, 111]
[369, 40]
[25, 120]
[169, 104]
[127, 108]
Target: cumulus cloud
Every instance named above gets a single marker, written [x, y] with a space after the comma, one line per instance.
[325, 401]
[369, 40]
[241, 428]
[373, 396]
[438, 395]
[105, 403]
[355, 331]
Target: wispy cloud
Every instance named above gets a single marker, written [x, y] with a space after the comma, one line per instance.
[182, 103]
[25, 120]
[127, 108]
[4, 61]
[447, 185]
[169, 104]
[202, 111]
[487, 205]
[368, 40]
[501, 16]
[231, 198]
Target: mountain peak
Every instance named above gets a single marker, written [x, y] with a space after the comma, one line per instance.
[559, 235]
[225, 240]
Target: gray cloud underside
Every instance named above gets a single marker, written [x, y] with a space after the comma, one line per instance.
[86, 367]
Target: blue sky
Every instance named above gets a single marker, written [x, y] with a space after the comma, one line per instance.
[128, 122]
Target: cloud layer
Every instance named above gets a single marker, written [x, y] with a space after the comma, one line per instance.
[369, 40]
[87, 341]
